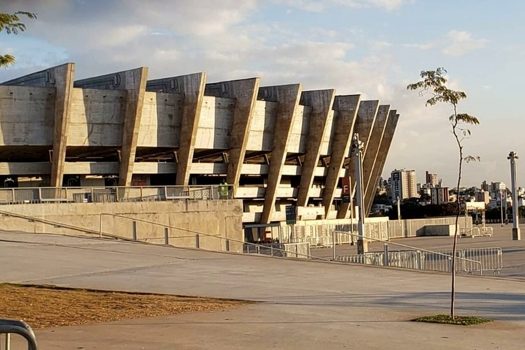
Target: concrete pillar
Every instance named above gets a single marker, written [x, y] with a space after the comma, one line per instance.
[345, 113]
[364, 124]
[321, 102]
[287, 97]
[61, 78]
[134, 83]
[192, 86]
[373, 144]
[64, 78]
[386, 141]
[245, 94]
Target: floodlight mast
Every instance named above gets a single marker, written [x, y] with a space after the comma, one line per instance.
[357, 154]
[516, 234]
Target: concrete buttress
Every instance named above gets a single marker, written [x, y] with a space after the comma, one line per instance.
[364, 124]
[287, 97]
[321, 102]
[345, 109]
[133, 81]
[245, 94]
[386, 141]
[192, 86]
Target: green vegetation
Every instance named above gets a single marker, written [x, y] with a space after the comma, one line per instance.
[11, 24]
[457, 320]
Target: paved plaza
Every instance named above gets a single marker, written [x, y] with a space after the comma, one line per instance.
[300, 304]
[513, 251]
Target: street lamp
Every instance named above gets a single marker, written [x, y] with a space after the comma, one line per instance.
[357, 154]
[516, 235]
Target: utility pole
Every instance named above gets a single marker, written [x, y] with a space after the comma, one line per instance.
[399, 217]
[516, 234]
[357, 153]
[501, 205]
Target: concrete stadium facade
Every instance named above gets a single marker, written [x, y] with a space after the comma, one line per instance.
[276, 145]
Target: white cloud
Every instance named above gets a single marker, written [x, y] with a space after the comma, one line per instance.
[421, 46]
[460, 43]
[318, 6]
[454, 43]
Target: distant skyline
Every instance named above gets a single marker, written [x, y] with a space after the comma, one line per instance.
[372, 47]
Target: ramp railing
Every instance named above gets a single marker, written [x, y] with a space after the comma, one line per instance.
[189, 238]
[8, 327]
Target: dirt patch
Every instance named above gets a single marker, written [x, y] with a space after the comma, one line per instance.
[43, 307]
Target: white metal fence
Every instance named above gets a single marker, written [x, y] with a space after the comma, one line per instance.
[471, 261]
[286, 250]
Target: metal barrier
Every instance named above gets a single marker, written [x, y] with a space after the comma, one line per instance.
[286, 250]
[112, 194]
[483, 231]
[471, 260]
[9, 327]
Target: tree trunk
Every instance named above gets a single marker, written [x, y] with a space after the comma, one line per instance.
[456, 226]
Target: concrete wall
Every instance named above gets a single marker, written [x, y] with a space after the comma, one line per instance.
[439, 230]
[416, 227]
[26, 115]
[221, 218]
[161, 120]
[215, 123]
[260, 137]
[97, 117]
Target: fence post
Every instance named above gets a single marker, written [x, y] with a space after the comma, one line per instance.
[166, 236]
[227, 245]
[134, 230]
[385, 254]
[418, 260]
[333, 244]
[100, 226]
[197, 241]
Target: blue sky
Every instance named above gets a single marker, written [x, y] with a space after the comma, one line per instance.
[372, 47]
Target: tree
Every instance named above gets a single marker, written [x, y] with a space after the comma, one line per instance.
[11, 24]
[434, 83]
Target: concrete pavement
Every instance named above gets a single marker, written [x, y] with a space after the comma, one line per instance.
[303, 304]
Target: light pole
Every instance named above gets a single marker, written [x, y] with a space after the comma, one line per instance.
[357, 153]
[501, 205]
[516, 234]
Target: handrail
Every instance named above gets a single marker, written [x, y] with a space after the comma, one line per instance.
[100, 233]
[209, 235]
[59, 224]
[18, 327]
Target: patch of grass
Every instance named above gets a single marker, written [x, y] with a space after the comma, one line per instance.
[458, 320]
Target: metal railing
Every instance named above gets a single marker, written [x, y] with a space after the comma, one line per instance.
[192, 238]
[206, 241]
[471, 260]
[9, 327]
[287, 250]
[22, 195]
[483, 231]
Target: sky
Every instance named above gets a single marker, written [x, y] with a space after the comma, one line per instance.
[371, 47]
